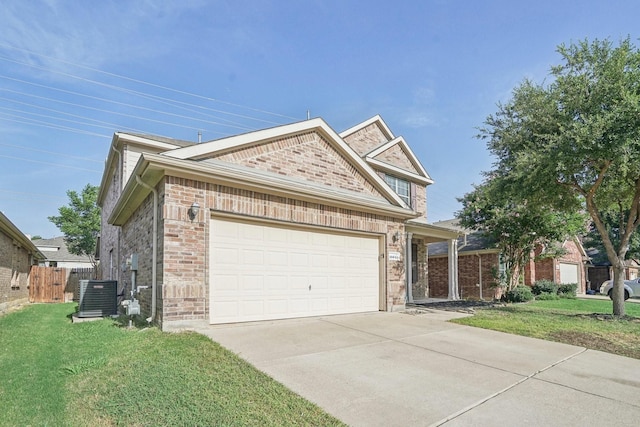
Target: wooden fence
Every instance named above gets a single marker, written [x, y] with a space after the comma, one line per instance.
[53, 284]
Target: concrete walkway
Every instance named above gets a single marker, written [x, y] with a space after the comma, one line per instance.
[398, 369]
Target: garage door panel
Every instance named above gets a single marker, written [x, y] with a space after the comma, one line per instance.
[261, 272]
[568, 273]
[299, 259]
[228, 282]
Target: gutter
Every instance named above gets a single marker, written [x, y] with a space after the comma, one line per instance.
[154, 253]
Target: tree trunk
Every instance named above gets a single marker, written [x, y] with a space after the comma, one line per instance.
[618, 289]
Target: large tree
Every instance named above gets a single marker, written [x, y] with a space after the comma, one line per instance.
[514, 225]
[615, 225]
[573, 142]
[80, 222]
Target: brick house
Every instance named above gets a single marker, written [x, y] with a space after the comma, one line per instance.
[296, 220]
[17, 255]
[597, 273]
[479, 265]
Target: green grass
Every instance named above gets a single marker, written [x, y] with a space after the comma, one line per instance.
[586, 323]
[55, 373]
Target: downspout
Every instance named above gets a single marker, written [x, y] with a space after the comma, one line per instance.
[119, 243]
[154, 253]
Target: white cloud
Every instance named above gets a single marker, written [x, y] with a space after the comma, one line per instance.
[88, 33]
[420, 119]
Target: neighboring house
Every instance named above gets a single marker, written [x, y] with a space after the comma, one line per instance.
[599, 273]
[17, 255]
[57, 255]
[290, 221]
[479, 265]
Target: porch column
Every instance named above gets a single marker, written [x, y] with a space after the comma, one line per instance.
[408, 270]
[453, 270]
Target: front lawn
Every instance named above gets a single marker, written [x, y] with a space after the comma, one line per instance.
[56, 373]
[585, 323]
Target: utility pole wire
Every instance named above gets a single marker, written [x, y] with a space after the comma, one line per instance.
[148, 83]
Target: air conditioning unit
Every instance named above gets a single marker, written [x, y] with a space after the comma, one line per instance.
[98, 298]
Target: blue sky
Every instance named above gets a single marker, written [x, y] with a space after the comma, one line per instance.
[74, 72]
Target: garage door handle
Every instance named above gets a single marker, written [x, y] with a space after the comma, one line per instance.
[309, 287]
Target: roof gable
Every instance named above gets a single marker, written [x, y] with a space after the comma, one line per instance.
[306, 156]
[367, 135]
[146, 143]
[308, 150]
[396, 157]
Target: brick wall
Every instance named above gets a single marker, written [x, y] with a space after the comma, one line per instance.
[468, 276]
[183, 277]
[396, 156]
[366, 139]
[14, 273]
[137, 238]
[110, 256]
[185, 281]
[421, 200]
[307, 156]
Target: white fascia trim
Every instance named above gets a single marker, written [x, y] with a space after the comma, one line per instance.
[405, 147]
[366, 123]
[234, 176]
[400, 173]
[122, 136]
[246, 139]
[116, 141]
[266, 135]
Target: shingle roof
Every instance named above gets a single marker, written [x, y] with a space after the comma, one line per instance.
[178, 142]
[470, 242]
[62, 254]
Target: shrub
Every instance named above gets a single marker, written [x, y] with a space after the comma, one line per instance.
[544, 287]
[519, 294]
[545, 296]
[567, 290]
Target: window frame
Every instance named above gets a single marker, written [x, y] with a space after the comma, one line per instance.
[393, 181]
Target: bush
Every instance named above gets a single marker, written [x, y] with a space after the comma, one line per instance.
[567, 290]
[519, 294]
[545, 296]
[544, 287]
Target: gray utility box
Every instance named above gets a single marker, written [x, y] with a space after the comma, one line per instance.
[98, 298]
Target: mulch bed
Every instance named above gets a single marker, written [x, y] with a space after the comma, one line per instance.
[462, 306]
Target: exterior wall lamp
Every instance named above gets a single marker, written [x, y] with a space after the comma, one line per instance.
[193, 211]
[396, 236]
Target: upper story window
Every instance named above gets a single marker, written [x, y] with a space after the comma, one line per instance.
[401, 187]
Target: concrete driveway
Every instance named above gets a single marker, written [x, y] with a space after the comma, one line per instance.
[386, 369]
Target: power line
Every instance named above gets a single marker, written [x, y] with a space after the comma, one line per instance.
[228, 124]
[49, 125]
[128, 91]
[51, 152]
[150, 84]
[39, 195]
[104, 111]
[50, 164]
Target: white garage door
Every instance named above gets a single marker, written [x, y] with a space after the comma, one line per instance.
[568, 273]
[262, 272]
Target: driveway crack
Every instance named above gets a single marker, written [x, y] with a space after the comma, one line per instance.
[504, 390]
